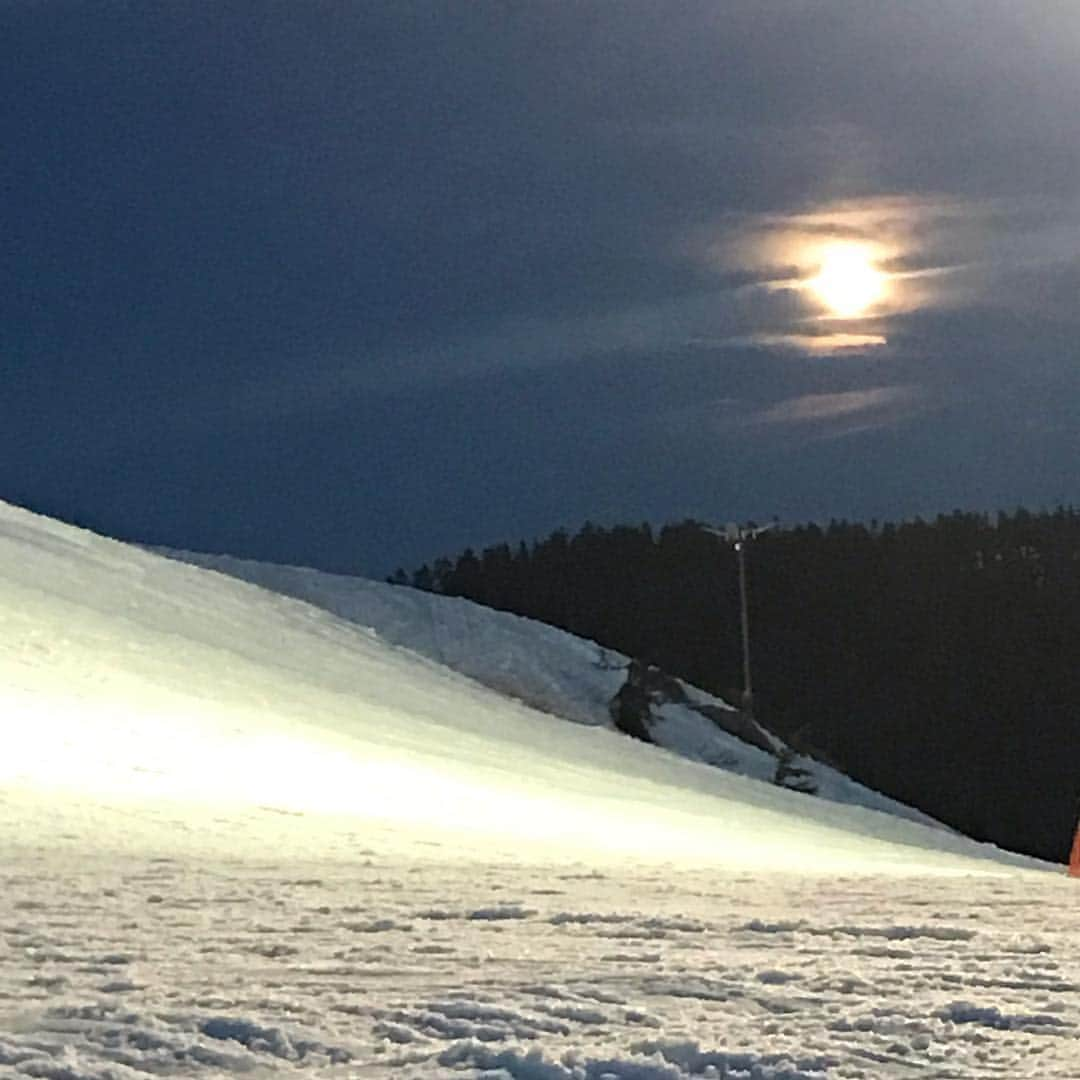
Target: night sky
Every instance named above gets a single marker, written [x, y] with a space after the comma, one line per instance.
[358, 284]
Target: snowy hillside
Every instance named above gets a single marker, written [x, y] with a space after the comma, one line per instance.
[242, 835]
[537, 664]
[127, 675]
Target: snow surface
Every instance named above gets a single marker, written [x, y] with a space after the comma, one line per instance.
[239, 834]
[538, 664]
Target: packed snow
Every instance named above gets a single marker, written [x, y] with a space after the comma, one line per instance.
[241, 834]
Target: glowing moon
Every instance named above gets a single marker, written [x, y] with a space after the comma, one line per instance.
[848, 283]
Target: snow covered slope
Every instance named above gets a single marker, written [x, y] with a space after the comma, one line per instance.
[538, 664]
[130, 678]
[240, 836]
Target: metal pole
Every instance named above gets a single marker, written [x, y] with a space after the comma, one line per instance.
[748, 690]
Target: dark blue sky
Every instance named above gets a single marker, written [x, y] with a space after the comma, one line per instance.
[357, 284]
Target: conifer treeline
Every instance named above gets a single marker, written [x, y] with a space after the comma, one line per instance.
[937, 661]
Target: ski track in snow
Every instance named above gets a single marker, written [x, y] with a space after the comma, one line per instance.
[113, 968]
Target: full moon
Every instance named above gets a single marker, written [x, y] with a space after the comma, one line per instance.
[848, 283]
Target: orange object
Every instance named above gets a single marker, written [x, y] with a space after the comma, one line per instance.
[1074, 858]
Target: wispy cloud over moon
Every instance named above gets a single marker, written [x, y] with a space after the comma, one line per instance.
[927, 253]
[820, 344]
[794, 420]
[884, 402]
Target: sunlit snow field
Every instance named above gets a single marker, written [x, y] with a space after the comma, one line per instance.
[239, 834]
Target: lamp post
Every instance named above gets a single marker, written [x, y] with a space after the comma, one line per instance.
[737, 536]
[744, 609]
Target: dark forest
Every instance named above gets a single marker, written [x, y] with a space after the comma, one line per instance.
[936, 661]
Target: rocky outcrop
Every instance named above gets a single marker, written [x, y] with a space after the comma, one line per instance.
[631, 707]
[648, 688]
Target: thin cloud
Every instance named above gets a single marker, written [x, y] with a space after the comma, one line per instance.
[819, 344]
[811, 416]
[820, 408]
